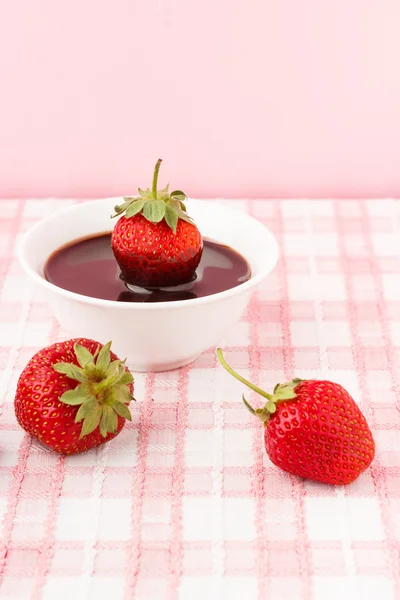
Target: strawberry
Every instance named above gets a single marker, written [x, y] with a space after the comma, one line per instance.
[155, 242]
[313, 429]
[74, 395]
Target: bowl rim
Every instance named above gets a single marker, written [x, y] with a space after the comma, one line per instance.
[170, 305]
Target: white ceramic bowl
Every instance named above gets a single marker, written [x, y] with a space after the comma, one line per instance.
[154, 336]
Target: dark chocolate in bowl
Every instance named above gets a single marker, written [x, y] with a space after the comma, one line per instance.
[87, 266]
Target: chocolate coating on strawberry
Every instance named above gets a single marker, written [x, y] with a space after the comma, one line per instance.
[155, 242]
[74, 395]
[313, 429]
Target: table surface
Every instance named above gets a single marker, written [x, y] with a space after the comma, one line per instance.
[184, 504]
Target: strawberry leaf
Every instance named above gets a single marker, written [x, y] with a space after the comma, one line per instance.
[263, 414]
[182, 215]
[270, 406]
[86, 409]
[285, 391]
[126, 378]
[129, 199]
[121, 207]
[179, 195]
[116, 370]
[121, 393]
[154, 210]
[284, 394]
[117, 395]
[77, 396]
[103, 359]
[145, 193]
[103, 421]
[171, 217]
[91, 422]
[109, 421]
[134, 208]
[248, 406]
[83, 355]
[113, 421]
[176, 205]
[123, 411]
[71, 371]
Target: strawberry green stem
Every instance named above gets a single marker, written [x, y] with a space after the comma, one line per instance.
[155, 178]
[106, 383]
[240, 378]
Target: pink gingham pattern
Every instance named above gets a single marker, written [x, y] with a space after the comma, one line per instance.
[184, 504]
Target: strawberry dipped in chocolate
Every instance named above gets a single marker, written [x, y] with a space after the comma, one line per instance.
[155, 242]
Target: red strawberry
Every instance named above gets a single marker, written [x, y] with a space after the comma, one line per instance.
[155, 243]
[313, 429]
[70, 382]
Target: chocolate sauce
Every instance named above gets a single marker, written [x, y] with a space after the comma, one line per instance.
[88, 267]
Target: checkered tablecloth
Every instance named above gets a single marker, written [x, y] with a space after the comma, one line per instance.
[184, 504]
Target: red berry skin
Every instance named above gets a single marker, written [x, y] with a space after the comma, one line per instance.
[152, 255]
[38, 409]
[321, 435]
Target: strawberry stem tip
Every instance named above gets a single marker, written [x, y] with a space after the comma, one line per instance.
[282, 392]
[155, 178]
[103, 392]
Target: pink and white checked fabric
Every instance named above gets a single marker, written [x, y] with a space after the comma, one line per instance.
[184, 504]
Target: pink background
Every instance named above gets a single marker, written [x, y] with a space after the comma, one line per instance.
[239, 97]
